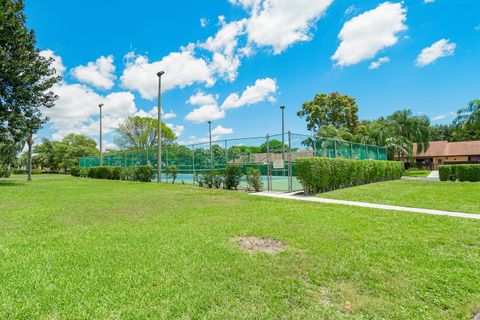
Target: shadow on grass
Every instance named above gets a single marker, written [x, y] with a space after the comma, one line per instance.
[10, 183]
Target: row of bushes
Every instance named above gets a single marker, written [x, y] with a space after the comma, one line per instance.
[230, 178]
[140, 173]
[325, 174]
[25, 171]
[460, 172]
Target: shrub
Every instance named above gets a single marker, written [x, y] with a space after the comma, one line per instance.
[171, 172]
[468, 172]
[25, 171]
[103, 173]
[212, 178]
[92, 172]
[127, 173]
[143, 174]
[115, 173]
[325, 174]
[233, 174]
[84, 172]
[75, 171]
[447, 173]
[4, 172]
[254, 179]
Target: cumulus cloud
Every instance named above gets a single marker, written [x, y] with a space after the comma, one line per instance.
[281, 23]
[76, 110]
[100, 74]
[181, 69]
[152, 113]
[441, 48]
[428, 1]
[438, 118]
[378, 63]
[176, 128]
[207, 110]
[219, 131]
[203, 22]
[57, 61]
[262, 90]
[365, 35]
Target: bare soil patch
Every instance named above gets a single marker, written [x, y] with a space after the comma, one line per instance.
[261, 244]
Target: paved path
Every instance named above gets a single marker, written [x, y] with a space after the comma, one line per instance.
[434, 175]
[299, 196]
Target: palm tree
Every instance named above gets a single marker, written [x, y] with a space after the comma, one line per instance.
[469, 116]
[414, 128]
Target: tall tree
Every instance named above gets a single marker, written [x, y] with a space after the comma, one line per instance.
[414, 128]
[25, 79]
[340, 111]
[467, 122]
[141, 133]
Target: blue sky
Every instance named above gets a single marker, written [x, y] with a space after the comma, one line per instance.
[236, 61]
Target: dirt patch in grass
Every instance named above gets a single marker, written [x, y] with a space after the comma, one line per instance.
[261, 244]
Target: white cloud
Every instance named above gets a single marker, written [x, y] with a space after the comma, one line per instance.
[378, 63]
[281, 23]
[262, 90]
[77, 111]
[225, 40]
[219, 130]
[208, 109]
[203, 22]
[441, 48]
[428, 1]
[153, 113]
[350, 10]
[100, 74]
[181, 69]
[176, 128]
[439, 117]
[365, 35]
[57, 61]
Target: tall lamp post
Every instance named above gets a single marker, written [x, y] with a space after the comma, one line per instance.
[210, 138]
[159, 128]
[101, 154]
[283, 137]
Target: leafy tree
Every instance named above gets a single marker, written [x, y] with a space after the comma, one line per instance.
[414, 128]
[274, 146]
[442, 132]
[25, 81]
[467, 122]
[340, 111]
[141, 132]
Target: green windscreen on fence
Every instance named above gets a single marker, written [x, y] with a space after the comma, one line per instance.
[273, 155]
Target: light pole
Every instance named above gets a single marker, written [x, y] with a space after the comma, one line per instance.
[283, 137]
[101, 155]
[159, 128]
[210, 138]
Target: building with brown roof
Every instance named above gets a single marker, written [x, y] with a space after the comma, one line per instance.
[444, 152]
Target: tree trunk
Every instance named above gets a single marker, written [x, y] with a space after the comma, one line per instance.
[29, 169]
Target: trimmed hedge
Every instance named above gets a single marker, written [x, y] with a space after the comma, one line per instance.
[460, 172]
[325, 174]
[140, 173]
[25, 171]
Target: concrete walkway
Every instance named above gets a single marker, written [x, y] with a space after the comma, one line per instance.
[300, 197]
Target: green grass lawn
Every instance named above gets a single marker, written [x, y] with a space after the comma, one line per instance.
[417, 173]
[74, 248]
[449, 196]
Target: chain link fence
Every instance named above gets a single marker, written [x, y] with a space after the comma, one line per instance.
[273, 155]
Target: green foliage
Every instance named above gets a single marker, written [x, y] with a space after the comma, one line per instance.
[233, 174]
[467, 122]
[4, 172]
[335, 109]
[26, 79]
[116, 173]
[75, 171]
[468, 172]
[325, 174]
[25, 171]
[254, 179]
[103, 173]
[84, 172]
[211, 179]
[92, 172]
[143, 174]
[171, 172]
[460, 172]
[141, 132]
[127, 173]
[447, 173]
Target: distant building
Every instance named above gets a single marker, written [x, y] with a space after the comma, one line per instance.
[444, 152]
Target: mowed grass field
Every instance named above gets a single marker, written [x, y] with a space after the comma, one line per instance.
[74, 248]
[449, 196]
